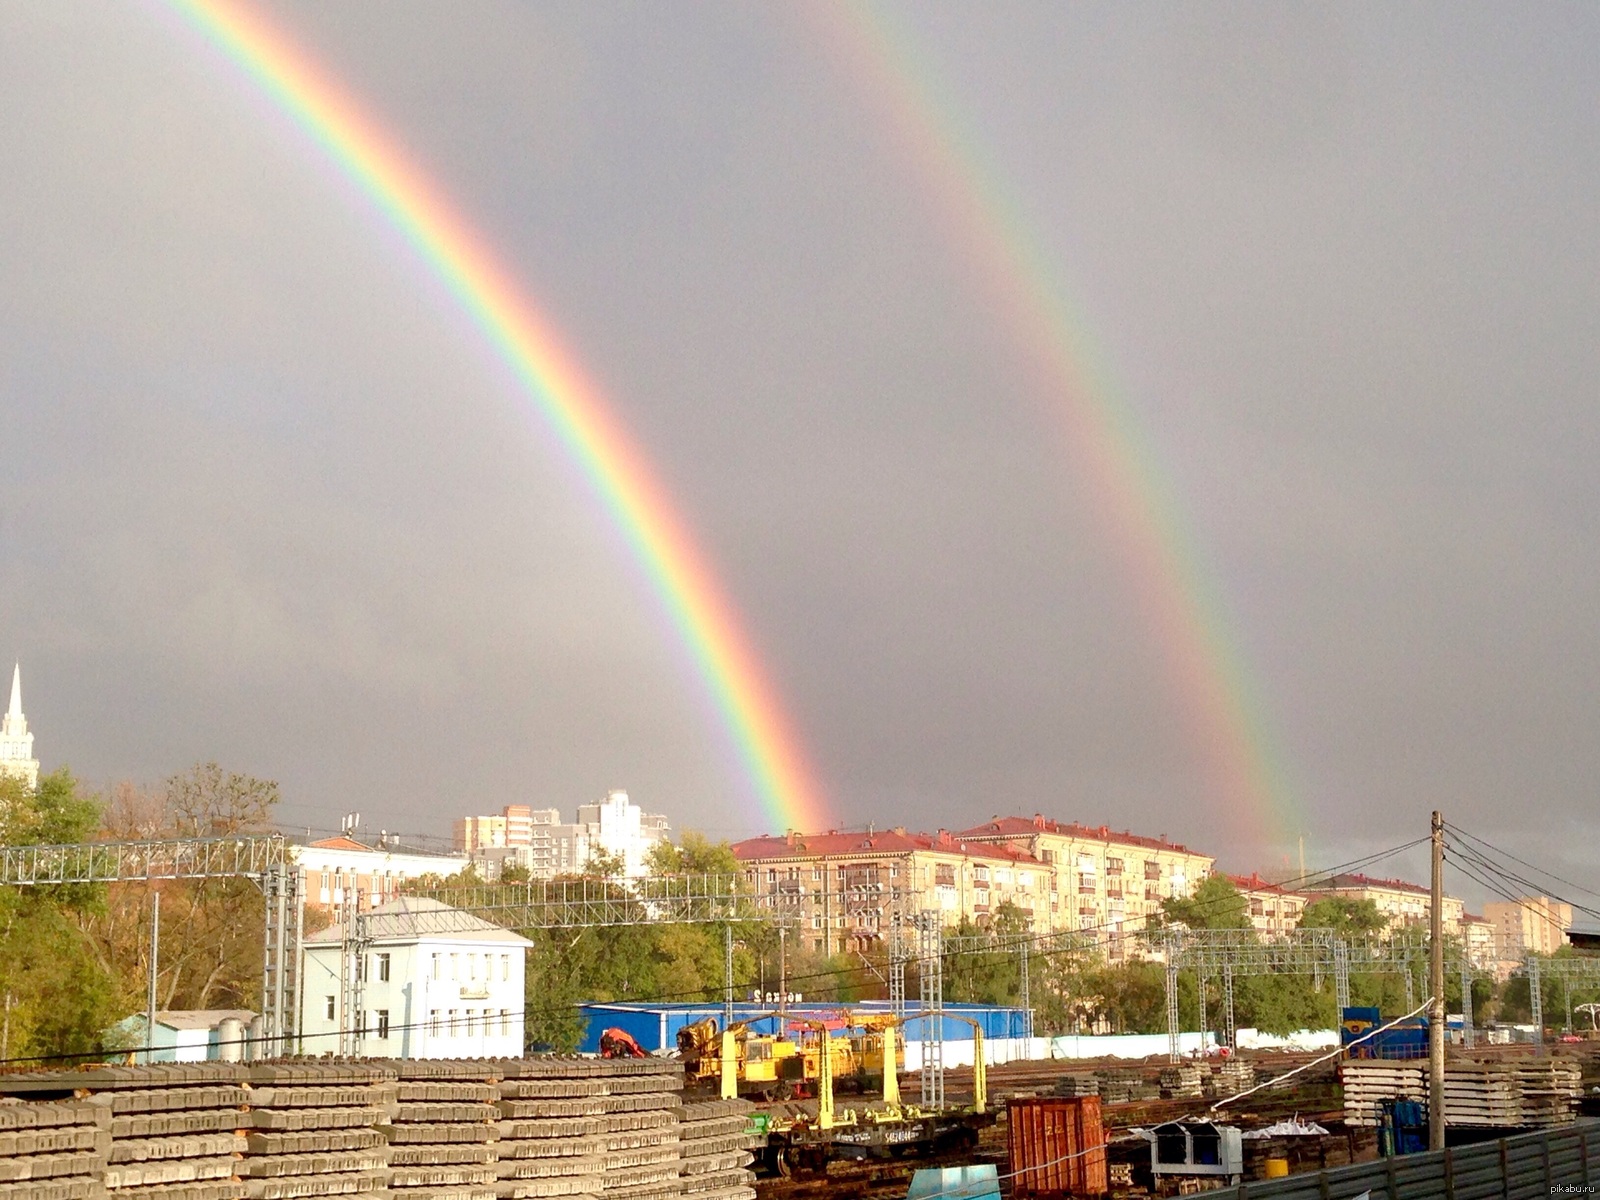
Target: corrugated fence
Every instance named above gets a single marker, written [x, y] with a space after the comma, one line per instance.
[1554, 1163]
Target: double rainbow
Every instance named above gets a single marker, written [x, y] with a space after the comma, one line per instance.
[555, 385]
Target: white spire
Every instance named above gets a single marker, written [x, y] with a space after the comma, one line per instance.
[15, 711]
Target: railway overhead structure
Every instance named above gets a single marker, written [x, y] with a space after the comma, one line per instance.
[261, 858]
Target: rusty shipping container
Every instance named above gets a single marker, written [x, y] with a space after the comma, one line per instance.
[1056, 1147]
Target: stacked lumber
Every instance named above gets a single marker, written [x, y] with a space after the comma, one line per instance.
[713, 1151]
[442, 1130]
[1370, 1080]
[1077, 1085]
[314, 1129]
[1183, 1081]
[53, 1151]
[589, 1127]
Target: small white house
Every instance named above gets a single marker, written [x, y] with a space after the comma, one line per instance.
[434, 982]
[188, 1035]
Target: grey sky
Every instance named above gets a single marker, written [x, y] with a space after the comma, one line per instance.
[268, 498]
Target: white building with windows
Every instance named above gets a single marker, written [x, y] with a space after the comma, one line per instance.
[433, 982]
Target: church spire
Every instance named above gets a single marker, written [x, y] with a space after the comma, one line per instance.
[15, 711]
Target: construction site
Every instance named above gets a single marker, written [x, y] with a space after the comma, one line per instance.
[910, 1095]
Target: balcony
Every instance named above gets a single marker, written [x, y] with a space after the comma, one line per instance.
[474, 991]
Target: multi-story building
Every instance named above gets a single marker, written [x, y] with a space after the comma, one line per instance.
[340, 868]
[1274, 911]
[1477, 940]
[536, 840]
[1527, 925]
[847, 889]
[434, 982]
[1101, 880]
[1400, 903]
[16, 743]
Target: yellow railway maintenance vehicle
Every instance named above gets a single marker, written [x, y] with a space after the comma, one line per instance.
[768, 1066]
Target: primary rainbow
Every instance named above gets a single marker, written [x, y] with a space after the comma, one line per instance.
[1218, 699]
[560, 392]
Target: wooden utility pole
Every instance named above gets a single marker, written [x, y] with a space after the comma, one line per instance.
[1436, 993]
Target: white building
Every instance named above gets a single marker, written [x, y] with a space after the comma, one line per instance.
[16, 743]
[435, 982]
[615, 828]
[340, 867]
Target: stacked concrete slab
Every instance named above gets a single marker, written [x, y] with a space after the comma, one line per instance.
[586, 1127]
[443, 1131]
[53, 1151]
[714, 1151]
[316, 1129]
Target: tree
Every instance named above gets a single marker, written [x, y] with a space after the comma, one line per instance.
[1214, 904]
[695, 854]
[58, 995]
[1347, 918]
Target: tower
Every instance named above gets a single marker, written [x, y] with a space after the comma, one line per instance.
[16, 743]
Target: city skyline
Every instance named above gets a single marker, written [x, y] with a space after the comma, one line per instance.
[281, 506]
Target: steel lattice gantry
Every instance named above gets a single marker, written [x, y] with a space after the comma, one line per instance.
[261, 858]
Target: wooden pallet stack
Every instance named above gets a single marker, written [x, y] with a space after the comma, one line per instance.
[53, 1151]
[713, 1151]
[1368, 1081]
[315, 1129]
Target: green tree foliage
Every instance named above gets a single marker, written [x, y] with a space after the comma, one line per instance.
[58, 994]
[695, 854]
[991, 974]
[1347, 918]
[1214, 904]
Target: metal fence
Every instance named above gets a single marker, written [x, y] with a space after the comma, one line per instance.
[1553, 1163]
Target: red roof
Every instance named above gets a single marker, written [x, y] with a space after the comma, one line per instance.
[1028, 826]
[1254, 883]
[338, 843]
[1351, 883]
[834, 844]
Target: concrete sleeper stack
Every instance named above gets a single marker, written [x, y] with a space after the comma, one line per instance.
[314, 1130]
[53, 1151]
[713, 1151]
[443, 1132]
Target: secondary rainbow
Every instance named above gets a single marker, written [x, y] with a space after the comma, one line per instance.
[560, 392]
[1183, 604]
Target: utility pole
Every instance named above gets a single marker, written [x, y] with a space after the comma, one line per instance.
[155, 953]
[1436, 989]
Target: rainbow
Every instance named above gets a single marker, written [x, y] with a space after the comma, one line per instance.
[555, 385]
[1219, 701]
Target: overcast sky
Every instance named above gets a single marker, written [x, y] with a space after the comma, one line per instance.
[267, 497]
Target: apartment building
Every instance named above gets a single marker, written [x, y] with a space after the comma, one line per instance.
[1400, 903]
[339, 868]
[537, 840]
[1275, 912]
[1099, 879]
[847, 888]
[1477, 939]
[1527, 925]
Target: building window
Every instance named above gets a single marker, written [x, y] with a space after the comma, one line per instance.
[505, 1022]
[433, 1022]
[455, 966]
[383, 1022]
[383, 967]
[331, 1002]
[1152, 869]
[455, 1022]
[472, 1022]
[436, 964]
[1113, 866]
[472, 968]
[505, 967]
[944, 876]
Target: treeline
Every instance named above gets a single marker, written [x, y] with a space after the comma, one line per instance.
[74, 959]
